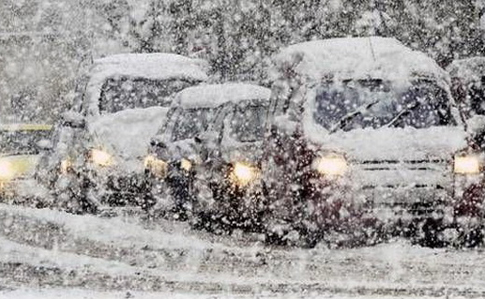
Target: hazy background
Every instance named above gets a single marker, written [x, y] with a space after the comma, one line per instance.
[45, 44]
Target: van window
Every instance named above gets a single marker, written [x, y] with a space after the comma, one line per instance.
[127, 93]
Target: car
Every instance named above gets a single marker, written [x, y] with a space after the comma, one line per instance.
[21, 145]
[204, 131]
[468, 85]
[364, 142]
[101, 142]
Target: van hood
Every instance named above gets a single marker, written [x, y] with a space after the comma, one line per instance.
[126, 134]
[386, 144]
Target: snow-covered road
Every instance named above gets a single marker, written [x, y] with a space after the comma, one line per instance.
[44, 254]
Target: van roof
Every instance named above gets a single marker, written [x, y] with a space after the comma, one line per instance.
[213, 95]
[150, 65]
[356, 58]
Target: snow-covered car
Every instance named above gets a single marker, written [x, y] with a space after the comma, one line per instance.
[364, 137]
[468, 85]
[100, 145]
[20, 149]
[208, 128]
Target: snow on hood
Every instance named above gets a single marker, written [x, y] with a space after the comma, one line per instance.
[469, 70]
[214, 95]
[391, 143]
[127, 134]
[369, 57]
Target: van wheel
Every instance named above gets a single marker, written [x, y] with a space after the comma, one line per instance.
[429, 233]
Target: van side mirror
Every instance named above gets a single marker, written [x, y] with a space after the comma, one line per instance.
[74, 120]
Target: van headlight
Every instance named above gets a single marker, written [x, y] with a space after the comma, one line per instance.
[156, 167]
[466, 165]
[7, 171]
[243, 173]
[331, 165]
[101, 157]
[186, 164]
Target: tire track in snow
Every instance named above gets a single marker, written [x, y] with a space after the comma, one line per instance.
[272, 270]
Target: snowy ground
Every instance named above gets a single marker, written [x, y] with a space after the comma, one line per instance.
[49, 254]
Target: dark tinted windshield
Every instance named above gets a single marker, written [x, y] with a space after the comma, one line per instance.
[192, 122]
[248, 122]
[375, 103]
[22, 142]
[127, 93]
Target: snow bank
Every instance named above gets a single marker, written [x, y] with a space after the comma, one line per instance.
[217, 94]
[366, 57]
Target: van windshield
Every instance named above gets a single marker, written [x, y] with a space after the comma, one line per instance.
[357, 104]
[192, 122]
[248, 123]
[129, 93]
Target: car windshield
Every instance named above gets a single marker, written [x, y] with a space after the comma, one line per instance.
[351, 105]
[192, 122]
[22, 142]
[248, 122]
[127, 93]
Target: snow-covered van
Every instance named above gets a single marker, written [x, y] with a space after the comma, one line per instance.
[364, 137]
[208, 128]
[101, 143]
[20, 148]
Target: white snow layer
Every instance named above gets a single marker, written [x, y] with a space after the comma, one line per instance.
[357, 58]
[214, 95]
[127, 133]
[89, 257]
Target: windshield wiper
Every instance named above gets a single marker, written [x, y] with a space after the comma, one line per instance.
[344, 120]
[404, 111]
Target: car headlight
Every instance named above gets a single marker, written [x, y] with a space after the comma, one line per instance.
[243, 173]
[7, 171]
[466, 165]
[101, 158]
[331, 165]
[157, 167]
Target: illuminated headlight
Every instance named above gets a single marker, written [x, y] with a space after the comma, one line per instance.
[7, 172]
[101, 158]
[331, 165]
[466, 165]
[186, 164]
[243, 174]
[157, 167]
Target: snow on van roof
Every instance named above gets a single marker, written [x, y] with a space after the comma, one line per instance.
[214, 95]
[469, 69]
[153, 66]
[364, 57]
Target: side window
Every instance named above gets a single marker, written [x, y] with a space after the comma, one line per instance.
[248, 122]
